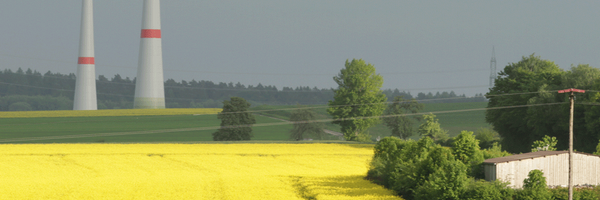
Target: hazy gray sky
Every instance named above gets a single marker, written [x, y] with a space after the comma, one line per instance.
[418, 46]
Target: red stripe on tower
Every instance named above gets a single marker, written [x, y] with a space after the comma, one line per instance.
[86, 61]
[151, 33]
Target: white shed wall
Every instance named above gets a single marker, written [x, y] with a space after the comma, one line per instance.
[555, 168]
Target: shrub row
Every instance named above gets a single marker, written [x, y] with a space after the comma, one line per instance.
[425, 170]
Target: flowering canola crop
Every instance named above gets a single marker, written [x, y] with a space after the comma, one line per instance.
[112, 112]
[186, 171]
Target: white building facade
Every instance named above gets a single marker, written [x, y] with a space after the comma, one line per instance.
[555, 165]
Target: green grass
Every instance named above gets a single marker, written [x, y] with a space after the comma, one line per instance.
[205, 125]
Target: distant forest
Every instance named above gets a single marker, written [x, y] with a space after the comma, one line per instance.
[30, 90]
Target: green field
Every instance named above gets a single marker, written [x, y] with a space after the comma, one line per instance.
[132, 128]
[198, 128]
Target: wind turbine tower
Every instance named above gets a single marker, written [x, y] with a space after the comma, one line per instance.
[492, 68]
[85, 84]
[149, 86]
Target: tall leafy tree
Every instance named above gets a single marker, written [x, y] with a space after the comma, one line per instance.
[432, 128]
[304, 125]
[528, 76]
[466, 149]
[538, 110]
[358, 100]
[236, 122]
[401, 125]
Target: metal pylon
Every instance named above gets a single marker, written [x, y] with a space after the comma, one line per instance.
[493, 68]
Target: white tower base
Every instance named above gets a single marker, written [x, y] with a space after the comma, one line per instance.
[85, 84]
[149, 86]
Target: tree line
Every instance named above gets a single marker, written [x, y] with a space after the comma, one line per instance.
[30, 88]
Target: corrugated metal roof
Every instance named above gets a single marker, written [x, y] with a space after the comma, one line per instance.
[529, 156]
[523, 156]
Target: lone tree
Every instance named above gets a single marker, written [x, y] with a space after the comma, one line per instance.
[304, 125]
[236, 123]
[358, 100]
[402, 126]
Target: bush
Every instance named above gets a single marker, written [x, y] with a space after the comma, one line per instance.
[534, 187]
[423, 170]
[597, 149]
[404, 173]
[384, 159]
[444, 176]
[494, 152]
[483, 190]
[562, 193]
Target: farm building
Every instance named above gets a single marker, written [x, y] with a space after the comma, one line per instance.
[555, 165]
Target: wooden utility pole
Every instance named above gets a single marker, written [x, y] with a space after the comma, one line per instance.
[572, 103]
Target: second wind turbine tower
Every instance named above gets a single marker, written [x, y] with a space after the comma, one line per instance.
[149, 86]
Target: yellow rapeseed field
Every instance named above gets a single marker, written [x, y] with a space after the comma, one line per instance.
[187, 171]
[113, 112]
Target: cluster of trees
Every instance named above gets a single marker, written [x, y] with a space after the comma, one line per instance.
[425, 170]
[117, 92]
[531, 107]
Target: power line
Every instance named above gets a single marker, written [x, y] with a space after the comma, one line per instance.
[255, 125]
[518, 93]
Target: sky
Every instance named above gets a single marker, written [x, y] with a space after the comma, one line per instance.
[417, 46]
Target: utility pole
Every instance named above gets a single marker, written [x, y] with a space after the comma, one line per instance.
[572, 102]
